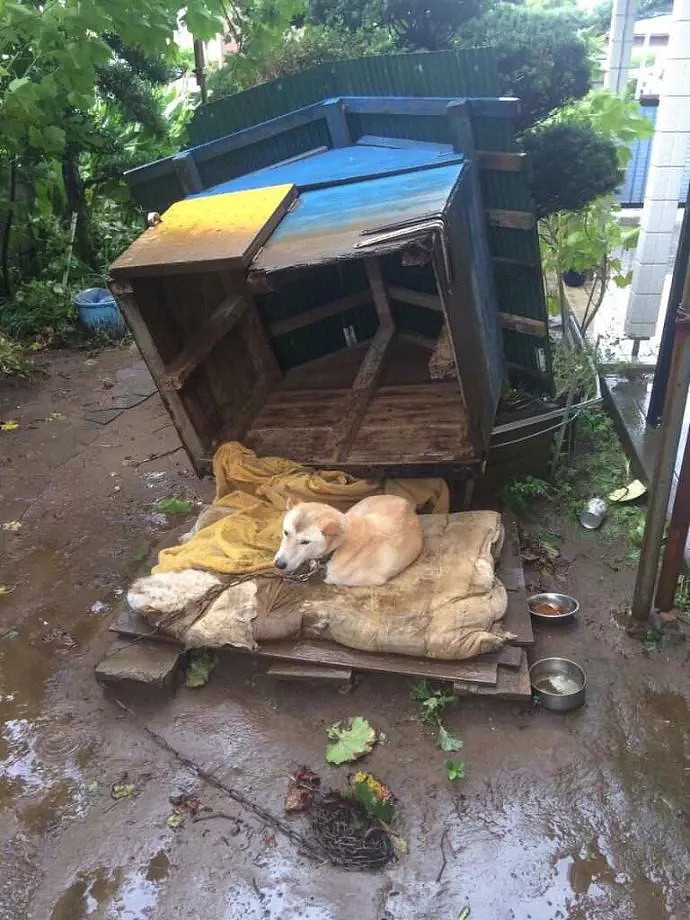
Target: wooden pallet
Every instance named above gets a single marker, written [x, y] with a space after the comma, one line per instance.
[502, 674]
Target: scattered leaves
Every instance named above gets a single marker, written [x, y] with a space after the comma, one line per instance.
[175, 820]
[10, 636]
[173, 506]
[184, 805]
[122, 789]
[353, 741]
[6, 589]
[12, 526]
[93, 787]
[9, 425]
[201, 664]
[53, 417]
[302, 785]
[432, 699]
[464, 914]
[374, 797]
[447, 741]
[455, 769]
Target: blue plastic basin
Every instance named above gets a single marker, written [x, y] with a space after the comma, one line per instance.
[99, 312]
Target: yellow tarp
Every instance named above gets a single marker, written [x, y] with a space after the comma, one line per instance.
[240, 532]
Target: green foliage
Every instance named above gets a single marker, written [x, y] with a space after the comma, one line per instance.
[521, 492]
[350, 741]
[572, 164]
[447, 741]
[344, 14]
[421, 25]
[542, 56]
[12, 361]
[299, 50]
[432, 699]
[455, 769]
[41, 308]
[201, 664]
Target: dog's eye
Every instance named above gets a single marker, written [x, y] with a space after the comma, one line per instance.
[305, 542]
[285, 533]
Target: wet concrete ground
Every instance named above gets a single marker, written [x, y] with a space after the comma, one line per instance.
[580, 816]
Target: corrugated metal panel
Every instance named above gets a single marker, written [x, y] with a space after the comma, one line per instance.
[632, 191]
[439, 73]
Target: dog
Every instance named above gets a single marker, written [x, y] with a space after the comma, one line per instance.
[375, 540]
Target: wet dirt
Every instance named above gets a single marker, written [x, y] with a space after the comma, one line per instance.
[576, 816]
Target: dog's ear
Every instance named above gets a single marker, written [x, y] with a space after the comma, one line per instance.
[330, 527]
[290, 501]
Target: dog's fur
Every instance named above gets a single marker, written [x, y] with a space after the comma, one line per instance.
[369, 544]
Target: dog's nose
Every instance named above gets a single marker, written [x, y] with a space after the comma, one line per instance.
[280, 564]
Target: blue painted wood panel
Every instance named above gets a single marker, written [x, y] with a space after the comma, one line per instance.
[341, 165]
[327, 224]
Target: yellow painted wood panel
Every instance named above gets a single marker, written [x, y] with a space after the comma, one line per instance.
[216, 231]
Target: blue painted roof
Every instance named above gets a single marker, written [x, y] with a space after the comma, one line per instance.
[326, 224]
[341, 165]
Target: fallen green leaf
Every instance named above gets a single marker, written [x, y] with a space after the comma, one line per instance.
[11, 635]
[447, 741]
[173, 506]
[9, 425]
[373, 796]
[464, 914]
[455, 769]
[349, 743]
[175, 820]
[6, 589]
[200, 666]
[122, 790]
[92, 788]
[53, 417]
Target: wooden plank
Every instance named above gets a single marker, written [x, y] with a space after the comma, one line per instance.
[486, 107]
[320, 652]
[316, 314]
[213, 233]
[261, 353]
[311, 672]
[510, 570]
[187, 173]
[379, 291]
[415, 298]
[510, 220]
[511, 684]
[298, 156]
[124, 295]
[501, 161]
[341, 437]
[401, 143]
[424, 340]
[196, 349]
[337, 123]
[523, 324]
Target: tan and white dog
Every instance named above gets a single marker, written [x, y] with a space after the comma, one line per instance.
[369, 544]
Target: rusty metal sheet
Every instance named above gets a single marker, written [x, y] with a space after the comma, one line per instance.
[327, 224]
[222, 231]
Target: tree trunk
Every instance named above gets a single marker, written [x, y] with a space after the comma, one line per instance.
[76, 204]
[7, 230]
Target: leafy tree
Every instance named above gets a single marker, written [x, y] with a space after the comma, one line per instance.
[345, 14]
[422, 24]
[54, 55]
[541, 57]
[299, 50]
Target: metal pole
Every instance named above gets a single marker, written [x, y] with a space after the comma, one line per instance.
[674, 412]
[676, 537]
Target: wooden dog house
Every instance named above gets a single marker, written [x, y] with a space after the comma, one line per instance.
[303, 306]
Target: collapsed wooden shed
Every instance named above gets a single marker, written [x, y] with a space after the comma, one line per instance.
[316, 269]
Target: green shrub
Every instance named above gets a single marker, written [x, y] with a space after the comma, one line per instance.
[12, 360]
[572, 164]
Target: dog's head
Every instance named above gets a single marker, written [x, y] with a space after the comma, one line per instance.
[311, 530]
